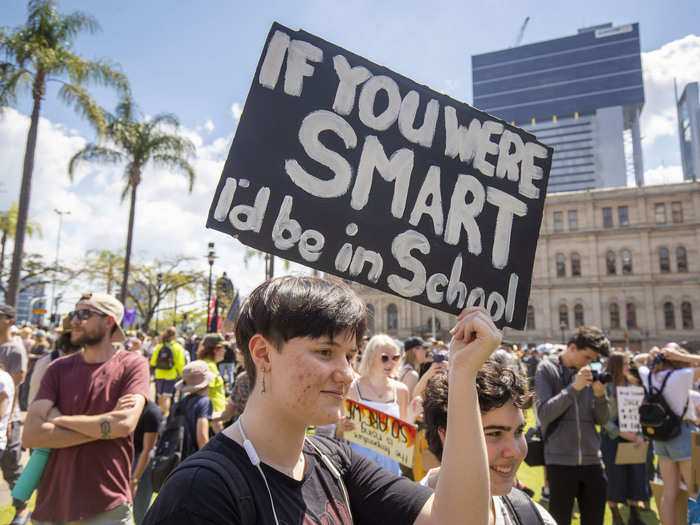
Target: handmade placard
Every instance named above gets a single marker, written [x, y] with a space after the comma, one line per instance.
[381, 432]
[347, 167]
[628, 400]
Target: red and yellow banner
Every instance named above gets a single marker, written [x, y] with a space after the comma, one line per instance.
[381, 432]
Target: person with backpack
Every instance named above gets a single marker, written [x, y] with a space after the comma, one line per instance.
[168, 359]
[145, 438]
[503, 396]
[666, 415]
[295, 333]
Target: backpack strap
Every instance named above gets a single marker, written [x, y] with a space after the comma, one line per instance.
[660, 392]
[522, 508]
[232, 477]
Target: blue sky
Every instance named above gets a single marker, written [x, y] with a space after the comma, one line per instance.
[196, 60]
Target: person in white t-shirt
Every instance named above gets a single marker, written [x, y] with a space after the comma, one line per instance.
[7, 394]
[674, 454]
[503, 395]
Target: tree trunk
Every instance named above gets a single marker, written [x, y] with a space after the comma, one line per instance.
[129, 239]
[25, 192]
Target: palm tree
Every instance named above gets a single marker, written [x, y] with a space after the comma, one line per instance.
[8, 223]
[134, 141]
[38, 52]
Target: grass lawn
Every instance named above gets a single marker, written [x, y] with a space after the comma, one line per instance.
[533, 477]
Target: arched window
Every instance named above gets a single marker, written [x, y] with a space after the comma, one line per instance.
[687, 315]
[530, 319]
[610, 263]
[669, 316]
[392, 317]
[614, 316]
[563, 316]
[631, 315]
[370, 324]
[626, 262]
[578, 315]
[664, 260]
[575, 264]
[561, 265]
[681, 259]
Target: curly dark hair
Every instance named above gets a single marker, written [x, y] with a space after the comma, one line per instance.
[591, 337]
[496, 384]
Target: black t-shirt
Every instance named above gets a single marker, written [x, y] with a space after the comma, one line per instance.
[149, 421]
[196, 496]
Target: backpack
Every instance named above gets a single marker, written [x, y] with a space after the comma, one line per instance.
[174, 444]
[520, 506]
[657, 419]
[166, 357]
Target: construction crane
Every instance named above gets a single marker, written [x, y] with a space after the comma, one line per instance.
[521, 32]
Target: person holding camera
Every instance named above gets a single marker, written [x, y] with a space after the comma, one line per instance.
[627, 483]
[570, 403]
[679, 370]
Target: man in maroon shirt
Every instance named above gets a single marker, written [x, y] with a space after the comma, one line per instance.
[87, 407]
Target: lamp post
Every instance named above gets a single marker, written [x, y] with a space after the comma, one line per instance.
[562, 327]
[211, 257]
[159, 279]
[55, 264]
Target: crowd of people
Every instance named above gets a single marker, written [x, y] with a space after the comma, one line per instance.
[261, 419]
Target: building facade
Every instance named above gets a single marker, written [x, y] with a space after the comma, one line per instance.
[581, 94]
[624, 259]
[689, 130]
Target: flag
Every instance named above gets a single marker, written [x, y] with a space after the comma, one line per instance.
[129, 316]
[213, 325]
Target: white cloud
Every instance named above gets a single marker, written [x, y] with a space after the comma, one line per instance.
[663, 175]
[679, 59]
[209, 126]
[236, 111]
[169, 220]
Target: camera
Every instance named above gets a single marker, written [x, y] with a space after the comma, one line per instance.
[603, 377]
[439, 356]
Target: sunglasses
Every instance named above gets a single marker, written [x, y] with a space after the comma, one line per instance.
[84, 314]
[394, 358]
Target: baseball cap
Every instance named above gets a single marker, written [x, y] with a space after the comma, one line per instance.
[195, 376]
[9, 311]
[211, 340]
[413, 342]
[108, 305]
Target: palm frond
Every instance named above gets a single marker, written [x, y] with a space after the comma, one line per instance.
[83, 104]
[77, 22]
[165, 118]
[101, 72]
[177, 164]
[93, 153]
[12, 80]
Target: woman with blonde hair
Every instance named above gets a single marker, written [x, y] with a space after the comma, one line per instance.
[376, 389]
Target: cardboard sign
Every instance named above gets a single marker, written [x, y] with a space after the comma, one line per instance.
[347, 167]
[628, 454]
[381, 432]
[628, 400]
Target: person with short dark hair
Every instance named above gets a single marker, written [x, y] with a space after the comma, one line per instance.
[294, 333]
[570, 403]
[503, 396]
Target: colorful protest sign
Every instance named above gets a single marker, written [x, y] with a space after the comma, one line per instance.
[628, 400]
[347, 167]
[381, 432]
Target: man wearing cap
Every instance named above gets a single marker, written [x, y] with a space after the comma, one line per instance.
[13, 359]
[87, 407]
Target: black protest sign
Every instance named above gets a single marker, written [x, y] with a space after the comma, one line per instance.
[347, 167]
